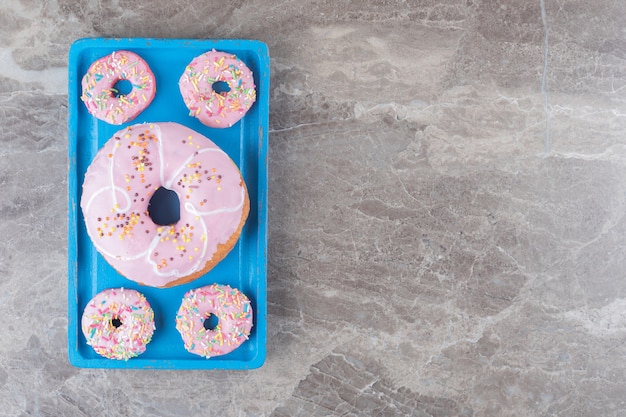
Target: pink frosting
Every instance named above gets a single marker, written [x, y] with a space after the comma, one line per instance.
[234, 314]
[99, 81]
[217, 109]
[126, 172]
[118, 323]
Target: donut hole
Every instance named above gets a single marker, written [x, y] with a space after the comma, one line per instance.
[121, 87]
[210, 322]
[164, 207]
[116, 322]
[221, 87]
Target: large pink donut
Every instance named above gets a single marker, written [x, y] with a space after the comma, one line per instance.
[100, 96]
[217, 109]
[126, 173]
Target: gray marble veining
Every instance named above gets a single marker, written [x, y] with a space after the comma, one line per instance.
[447, 199]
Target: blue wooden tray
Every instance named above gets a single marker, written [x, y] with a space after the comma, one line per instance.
[246, 143]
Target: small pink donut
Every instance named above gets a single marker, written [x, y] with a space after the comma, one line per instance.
[99, 93]
[217, 109]
[234, 320]
[118, 323]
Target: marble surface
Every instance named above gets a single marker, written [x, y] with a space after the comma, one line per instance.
[447, 232]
